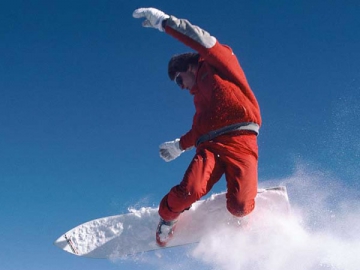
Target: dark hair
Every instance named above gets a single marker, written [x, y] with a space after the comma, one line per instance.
[181, 63]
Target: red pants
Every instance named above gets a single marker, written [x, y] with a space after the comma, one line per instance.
[236, 156]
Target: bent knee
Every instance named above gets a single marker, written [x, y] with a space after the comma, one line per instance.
[240, 209]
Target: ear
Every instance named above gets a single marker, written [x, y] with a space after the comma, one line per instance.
[192, 69]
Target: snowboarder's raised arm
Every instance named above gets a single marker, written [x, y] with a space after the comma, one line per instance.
[181, 29]
[216, 54]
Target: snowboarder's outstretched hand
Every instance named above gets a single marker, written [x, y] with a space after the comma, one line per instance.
[153, 17]
[170, 150]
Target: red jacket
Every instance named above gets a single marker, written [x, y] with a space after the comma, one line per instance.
[222, 95]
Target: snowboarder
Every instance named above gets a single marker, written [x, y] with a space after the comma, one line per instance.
[225, 125]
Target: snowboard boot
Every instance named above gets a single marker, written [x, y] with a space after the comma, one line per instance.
[165, 231]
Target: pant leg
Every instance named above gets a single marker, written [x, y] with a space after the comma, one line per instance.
[242, 176]
[203, 172]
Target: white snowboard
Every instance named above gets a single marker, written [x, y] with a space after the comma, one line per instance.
[134, 232]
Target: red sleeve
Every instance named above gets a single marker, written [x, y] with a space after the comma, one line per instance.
[187, 140]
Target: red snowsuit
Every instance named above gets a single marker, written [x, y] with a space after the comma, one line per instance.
[222, 97]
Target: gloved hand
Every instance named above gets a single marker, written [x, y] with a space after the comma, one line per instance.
[170, 150]
[153, 17]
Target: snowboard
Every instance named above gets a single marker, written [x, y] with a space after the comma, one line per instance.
[134, 232]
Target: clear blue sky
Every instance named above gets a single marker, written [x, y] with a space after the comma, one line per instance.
[85, 101]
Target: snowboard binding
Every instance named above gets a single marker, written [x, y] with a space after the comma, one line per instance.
[165, 231]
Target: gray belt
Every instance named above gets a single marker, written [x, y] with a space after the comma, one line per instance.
[250, 126]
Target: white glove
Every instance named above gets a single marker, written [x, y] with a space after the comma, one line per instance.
[170, 150]
[153, 16]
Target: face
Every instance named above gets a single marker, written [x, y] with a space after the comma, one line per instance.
[186, 80]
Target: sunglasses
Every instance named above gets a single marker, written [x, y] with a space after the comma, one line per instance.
[178, 79]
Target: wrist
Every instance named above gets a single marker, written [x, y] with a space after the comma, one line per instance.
[178, 145]
[163, 23]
